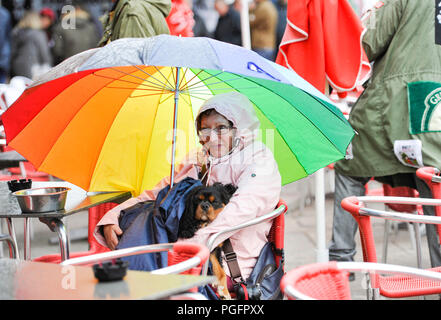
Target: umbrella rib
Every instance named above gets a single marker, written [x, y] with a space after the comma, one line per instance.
[305, 116]
[152, 76]
[183, 97]
[183, 77]
[194, 76]
[171, 87]
[142, 89]
[218, 89]
[196, 97]
[210, 84]
[147, 95]
[202, 80]
[154, 85]
[159, 84]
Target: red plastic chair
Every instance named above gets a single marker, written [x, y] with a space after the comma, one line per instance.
[330, 281]
[30, 172]
[183, 257]
[407, 208]
[387, 190]
[277, 235]
[394, 286]
[95, 215]
[433, 179]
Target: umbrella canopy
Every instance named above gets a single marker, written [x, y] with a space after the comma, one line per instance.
[104, 120]
[322, 43]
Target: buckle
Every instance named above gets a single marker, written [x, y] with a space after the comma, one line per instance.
[230, 256]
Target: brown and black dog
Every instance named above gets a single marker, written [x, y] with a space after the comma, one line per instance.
[202, 206]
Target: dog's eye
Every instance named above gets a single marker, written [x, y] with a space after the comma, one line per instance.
[201, 197]
[211, 198]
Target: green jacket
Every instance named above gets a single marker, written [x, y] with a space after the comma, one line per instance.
[136, 19]
[400, 39]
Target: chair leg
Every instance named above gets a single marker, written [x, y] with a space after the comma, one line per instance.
[12, 247]
[11, 231]
[385, 240]
[416, 227]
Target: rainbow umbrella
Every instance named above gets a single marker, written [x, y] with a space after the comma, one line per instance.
[122, 116]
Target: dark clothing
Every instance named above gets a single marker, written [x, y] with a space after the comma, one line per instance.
[5, 43]
[29, 50]
[70, 41]
[228, 28]
[154, 222]
[199, 28]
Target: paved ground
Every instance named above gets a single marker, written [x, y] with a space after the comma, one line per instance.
[300, 234]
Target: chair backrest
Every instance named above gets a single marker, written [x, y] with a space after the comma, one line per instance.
[354, 205]
[186, 256]
[400, 192]
[95, 215]
[428, 175]
[184, 251]
[277, 235]
[329, 280]
[321, 281]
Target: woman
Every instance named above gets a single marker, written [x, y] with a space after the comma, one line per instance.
[30, 54]
[227, 125]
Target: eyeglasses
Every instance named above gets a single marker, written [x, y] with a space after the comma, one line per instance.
[221, 130]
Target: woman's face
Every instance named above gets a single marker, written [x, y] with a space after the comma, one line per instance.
[216, 134]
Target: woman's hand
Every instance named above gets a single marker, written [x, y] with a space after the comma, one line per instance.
[111, 233]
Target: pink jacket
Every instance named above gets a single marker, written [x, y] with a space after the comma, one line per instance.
[250, 166]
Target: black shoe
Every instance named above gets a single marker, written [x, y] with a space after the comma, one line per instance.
[351, 276]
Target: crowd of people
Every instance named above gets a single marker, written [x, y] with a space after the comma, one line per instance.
[32, 44]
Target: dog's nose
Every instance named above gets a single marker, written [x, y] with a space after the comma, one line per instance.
[205, 206]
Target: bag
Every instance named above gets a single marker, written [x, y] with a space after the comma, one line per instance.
[263, 282]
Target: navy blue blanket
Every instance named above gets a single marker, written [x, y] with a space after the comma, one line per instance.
[154, 222]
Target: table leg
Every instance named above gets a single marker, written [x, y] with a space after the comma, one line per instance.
[12, 247]
[56, 225]
[27, 239]
[11, 231]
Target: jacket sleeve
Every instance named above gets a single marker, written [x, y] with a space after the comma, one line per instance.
[112, 216]
[258, 192]
[381, 24]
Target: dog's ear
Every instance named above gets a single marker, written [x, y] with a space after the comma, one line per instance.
[189, 199]
[226, 191]
[187, 220]
[231, 189]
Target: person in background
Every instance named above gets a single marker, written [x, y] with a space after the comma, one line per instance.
[30, 54]
[228, 27]
[205, 11]
[48, 18]
[74, 33]
[135, 19]
[401, 39]
[180, 21]
[263, 24]
[5, 43]
[281, 6]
